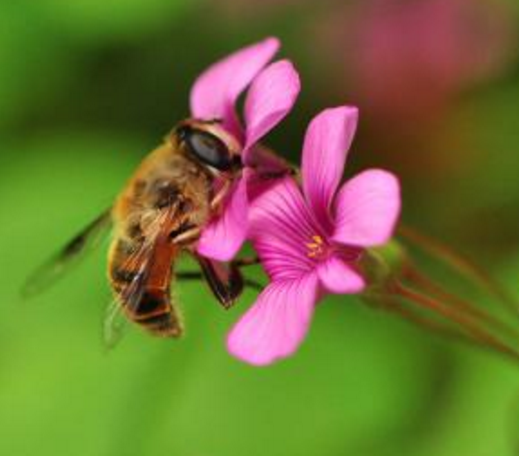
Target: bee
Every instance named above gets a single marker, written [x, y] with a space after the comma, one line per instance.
[159, 215]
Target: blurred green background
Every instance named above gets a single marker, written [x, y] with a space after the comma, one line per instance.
[88, 87]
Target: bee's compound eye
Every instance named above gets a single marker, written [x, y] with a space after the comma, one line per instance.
[207, 148]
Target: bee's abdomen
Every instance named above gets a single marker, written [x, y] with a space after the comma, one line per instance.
[155, 313]
[144, 294]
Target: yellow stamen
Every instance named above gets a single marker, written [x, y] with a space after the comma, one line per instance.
[315, 248]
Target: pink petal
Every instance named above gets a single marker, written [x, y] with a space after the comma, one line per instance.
[327, 141]
[269, 99]
[367, 209]
[216, 90]
[337, 276]
[280, 228]
[276, 324]
[224, 236]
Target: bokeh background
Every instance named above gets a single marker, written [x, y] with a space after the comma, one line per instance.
[88, 87]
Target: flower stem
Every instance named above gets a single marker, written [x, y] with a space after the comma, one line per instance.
[460, 264]
[470, 326]
[426, 284]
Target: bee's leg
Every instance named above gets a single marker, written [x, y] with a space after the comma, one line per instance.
[273, 175]
[186, 236]
[224, 280]
[253, 284]
[194, 275]
[246, 261]
[270, 166]
[218, 198]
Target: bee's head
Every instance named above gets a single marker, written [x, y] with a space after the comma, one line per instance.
[210, 144]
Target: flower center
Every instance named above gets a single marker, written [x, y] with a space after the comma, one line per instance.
[317, 248]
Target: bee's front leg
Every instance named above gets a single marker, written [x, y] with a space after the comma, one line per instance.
[186, 236]
[188, 233]
[246, 261]
[216, 202]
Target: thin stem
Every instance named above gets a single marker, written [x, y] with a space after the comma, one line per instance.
[393, 303]
[473, 328]
[416, 277]
[461, 264]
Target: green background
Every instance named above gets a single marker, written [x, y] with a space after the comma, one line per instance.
[86, 89]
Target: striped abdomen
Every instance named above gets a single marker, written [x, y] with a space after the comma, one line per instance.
[141, 279]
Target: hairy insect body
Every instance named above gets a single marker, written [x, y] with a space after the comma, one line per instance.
[160, 214]
[168, 191]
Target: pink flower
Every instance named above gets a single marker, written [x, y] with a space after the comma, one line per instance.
[309, 242]
[409, 60]
[272, 93]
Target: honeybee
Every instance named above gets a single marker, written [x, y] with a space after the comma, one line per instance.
[160, 214]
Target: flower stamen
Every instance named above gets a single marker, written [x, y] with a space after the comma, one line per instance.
[316, 249]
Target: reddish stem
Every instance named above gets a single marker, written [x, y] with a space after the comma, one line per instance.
[416, 277]
[472, 327]
[461, 264]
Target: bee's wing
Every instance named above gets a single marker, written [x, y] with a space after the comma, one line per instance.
[114, 324]
[115, 318]
[51, 271]
[224, 280]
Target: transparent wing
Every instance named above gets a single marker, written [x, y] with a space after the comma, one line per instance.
[114, 324]
[115, 318]
[140, 263]
[69, 256]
